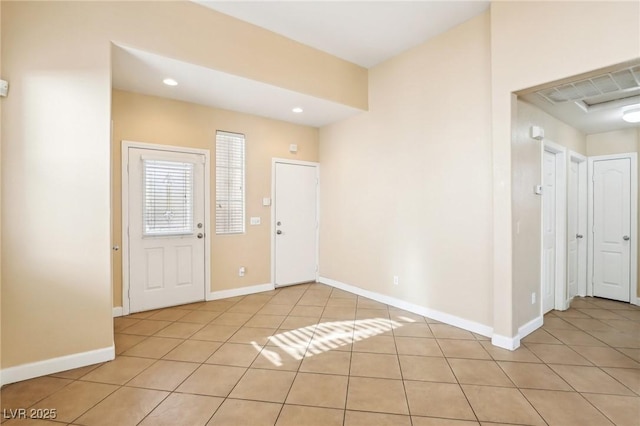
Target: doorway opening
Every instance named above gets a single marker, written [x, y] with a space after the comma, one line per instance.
[588, 123]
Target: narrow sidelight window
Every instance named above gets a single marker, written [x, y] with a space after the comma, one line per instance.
[229, 183]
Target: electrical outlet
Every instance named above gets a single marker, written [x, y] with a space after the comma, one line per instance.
[395, 280]
[533, 298]
[241, 271]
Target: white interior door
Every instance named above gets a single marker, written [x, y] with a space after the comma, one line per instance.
[548, 231]
[574, 237]
[612, 228]
[166, 208]
[296, 223]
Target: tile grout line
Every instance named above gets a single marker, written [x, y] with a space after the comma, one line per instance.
[185, 379]
[156, 359]
[457, 380]
[301, 361]
[404, 386]
[172, 391]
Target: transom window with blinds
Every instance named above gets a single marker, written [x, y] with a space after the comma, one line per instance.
[229, 183]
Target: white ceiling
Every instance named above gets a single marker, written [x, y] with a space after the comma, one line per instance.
[142, 72]
[600, 121]
[362, 32]
[605, 117]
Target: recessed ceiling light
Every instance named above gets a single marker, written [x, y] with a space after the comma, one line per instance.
[170, 82]
[297, 110]
[631, 115]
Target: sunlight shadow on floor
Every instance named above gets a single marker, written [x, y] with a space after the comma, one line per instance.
[316, 339]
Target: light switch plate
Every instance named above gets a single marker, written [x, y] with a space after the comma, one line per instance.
[266, 201]
[255, 221]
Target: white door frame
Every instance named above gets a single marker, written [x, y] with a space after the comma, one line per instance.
[275, 161]
[633, 249]
[561, 226]
[582, 213]
[125, 212]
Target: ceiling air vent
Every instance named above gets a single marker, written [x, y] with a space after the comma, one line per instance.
[607, 90]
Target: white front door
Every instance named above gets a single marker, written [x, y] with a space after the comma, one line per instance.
[574, 237]
[296, 223]
[548, 231]
[166, 228]
[611, 228]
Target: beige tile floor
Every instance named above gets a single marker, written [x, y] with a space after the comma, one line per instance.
[313, 355]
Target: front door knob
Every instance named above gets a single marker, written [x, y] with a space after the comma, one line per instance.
[579, 235]
[626, 238]
[200, 235]
[278, 232]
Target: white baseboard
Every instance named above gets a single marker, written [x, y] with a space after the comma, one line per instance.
[530, 327]
[504, 342]
[117, 311]
[242, 291]
[465, 324]
[513, 343]
[636, 301]
[55, 365]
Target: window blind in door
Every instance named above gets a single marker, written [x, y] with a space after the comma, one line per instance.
[168, 198]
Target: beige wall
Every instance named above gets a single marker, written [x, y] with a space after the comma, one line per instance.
[616, 142]
[405, 186]
[526, 206]
[56, 287]
[533, 43]
[56, 269]
[426, 166]
[166, 122]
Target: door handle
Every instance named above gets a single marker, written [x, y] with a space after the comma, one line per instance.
[579, 235]
[200, 235]
[626, 238]
[278, 232]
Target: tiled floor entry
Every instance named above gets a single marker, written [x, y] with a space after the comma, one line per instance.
[313, 355]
